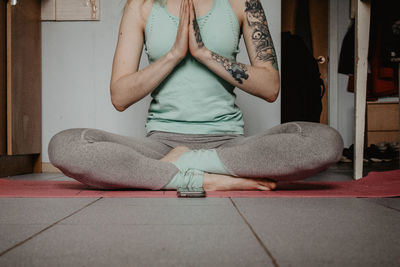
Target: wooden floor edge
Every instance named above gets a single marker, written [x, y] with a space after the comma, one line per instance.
[47, 167]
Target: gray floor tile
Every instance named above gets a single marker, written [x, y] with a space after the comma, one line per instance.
[332, 174]
[63, 178]
[36, 176]
[116, 202]
[156, 211]
[12, 234]
[389, 202]
[325, 231]
[342, 166]
[38, 210]
[21, 218]
[140, 245]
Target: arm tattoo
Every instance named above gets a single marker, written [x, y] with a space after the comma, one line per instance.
[197, 31]
[261, 36]
[236, 69]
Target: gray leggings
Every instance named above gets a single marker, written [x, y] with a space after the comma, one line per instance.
[105, 160]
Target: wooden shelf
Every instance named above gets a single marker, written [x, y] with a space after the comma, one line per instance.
[64, 10]
[382, 122]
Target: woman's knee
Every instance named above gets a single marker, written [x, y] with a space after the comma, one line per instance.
[328, 140]
[335, 143]
[284, 128]
[67, 151]
[62, 145]
[324, 145]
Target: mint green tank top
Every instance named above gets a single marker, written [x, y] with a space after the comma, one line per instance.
[193, 99]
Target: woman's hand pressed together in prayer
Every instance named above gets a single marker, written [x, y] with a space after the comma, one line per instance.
[188, 35]
[196, 45]
[180, 47]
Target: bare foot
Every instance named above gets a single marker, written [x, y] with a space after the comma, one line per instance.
[175, 153]
[216, 182]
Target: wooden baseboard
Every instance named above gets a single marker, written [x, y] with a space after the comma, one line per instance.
[11, 165]
[47, 167]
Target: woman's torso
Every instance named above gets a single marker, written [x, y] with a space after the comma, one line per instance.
[193, 99]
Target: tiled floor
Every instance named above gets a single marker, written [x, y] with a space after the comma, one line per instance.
[200, 232]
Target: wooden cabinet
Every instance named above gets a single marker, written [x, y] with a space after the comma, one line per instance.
[382, 122]
[21, 88]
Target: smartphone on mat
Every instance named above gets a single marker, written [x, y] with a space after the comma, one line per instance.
[191, 192]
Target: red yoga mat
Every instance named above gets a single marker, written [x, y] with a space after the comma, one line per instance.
[375, 184]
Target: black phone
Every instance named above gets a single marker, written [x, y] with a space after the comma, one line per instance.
[190, 192]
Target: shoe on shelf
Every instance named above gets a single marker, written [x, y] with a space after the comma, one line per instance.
[390, 153]
[348, 154]
[345, 159]
[382, 146]
[374, 153]
[395, 146]
[382, 152]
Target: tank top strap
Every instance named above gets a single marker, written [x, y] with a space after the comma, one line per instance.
[225, 5]
[157, 13]
[215, 8]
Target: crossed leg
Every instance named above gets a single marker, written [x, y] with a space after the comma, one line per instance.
[106, 160]
[289, 151]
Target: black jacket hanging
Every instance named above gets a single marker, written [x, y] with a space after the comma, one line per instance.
[302, 87]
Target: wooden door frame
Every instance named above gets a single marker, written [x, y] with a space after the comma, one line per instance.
[333, 65]
[3, 79]
[319, 15]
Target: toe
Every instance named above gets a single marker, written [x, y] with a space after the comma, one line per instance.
[264, 188]
[269, 184]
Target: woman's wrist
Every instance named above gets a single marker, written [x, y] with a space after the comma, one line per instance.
[172, 55]
[202, 54]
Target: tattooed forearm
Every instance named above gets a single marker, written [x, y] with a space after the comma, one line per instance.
[236, 69]
[261, 36]
[197, 32]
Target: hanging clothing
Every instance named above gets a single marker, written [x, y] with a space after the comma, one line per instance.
[384, 45]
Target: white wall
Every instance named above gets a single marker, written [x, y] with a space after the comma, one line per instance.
[341, 102]
[77, 63]
[346, 99]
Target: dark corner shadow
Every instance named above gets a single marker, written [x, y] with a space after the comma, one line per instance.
[293, 186]
[282, 186]
[86, 187]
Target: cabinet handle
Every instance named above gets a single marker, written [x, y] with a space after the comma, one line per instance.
[13, 2]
